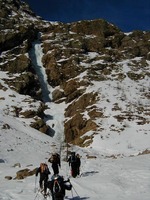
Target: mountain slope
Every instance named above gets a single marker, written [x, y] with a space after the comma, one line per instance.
[83, 87]
[87, 79]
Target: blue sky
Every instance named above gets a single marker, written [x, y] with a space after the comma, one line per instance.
[128, 15]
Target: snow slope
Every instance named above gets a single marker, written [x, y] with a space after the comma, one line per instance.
[101, 177]
[111, 167]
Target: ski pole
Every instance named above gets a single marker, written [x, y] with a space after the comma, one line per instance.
[35, 184]
[76, 191]
[72, 193]
[36, 195]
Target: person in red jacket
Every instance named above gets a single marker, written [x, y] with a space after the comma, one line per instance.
[72, 163]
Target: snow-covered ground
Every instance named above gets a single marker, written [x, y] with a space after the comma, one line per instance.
[101, 177]
[111, 167]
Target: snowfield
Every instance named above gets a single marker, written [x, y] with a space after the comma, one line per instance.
[102, 177]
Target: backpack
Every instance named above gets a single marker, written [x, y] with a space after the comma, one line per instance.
[43, 167]
[55, 158]
[73, 158]
[58, 187]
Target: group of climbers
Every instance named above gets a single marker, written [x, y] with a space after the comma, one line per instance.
[57, 185]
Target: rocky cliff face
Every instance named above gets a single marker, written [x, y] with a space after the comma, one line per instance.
[76, 57]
